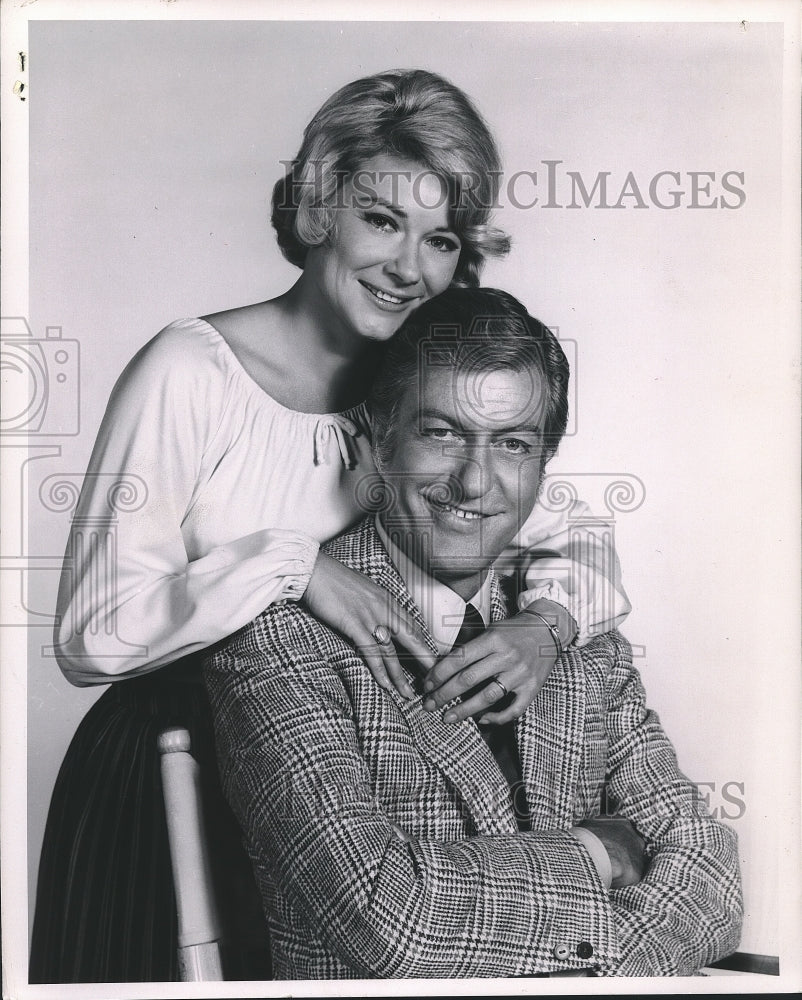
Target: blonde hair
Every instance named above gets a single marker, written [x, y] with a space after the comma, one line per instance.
[415, 115]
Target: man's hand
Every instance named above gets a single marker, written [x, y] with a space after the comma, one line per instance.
[625, 848]
[520, 652]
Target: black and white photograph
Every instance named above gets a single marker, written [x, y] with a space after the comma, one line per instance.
[400, 491]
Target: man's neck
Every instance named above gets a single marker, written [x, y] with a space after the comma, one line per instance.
[465, 587]
[465, 583]
[441, 604]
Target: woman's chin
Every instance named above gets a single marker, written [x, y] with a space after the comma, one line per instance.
[380, 330]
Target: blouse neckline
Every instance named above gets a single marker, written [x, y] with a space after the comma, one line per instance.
[235, 362]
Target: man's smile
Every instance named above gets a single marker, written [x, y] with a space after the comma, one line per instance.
[452, 511]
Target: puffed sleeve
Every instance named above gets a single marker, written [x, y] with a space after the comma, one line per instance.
[130, 599]
[568, 556]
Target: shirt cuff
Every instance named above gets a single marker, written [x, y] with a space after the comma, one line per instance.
[552, 591]
[281, 561]
[298, 570]
[597, 852]
[583, 612]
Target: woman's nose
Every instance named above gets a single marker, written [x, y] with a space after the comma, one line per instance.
[405, 266]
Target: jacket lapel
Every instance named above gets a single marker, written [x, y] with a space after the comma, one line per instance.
[550, 739]
[458, 751]
[550, 732]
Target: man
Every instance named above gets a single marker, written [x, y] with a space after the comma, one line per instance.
[389, 841]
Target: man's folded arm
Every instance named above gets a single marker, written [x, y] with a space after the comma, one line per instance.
[687, 910]
[480, 906]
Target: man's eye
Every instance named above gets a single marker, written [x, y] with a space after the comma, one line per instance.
[381, 222]
[515, 446]
[439, 433]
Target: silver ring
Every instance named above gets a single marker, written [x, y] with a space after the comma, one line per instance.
[504, 691]
[382, 635]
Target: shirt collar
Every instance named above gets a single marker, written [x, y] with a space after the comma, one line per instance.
[442, 609]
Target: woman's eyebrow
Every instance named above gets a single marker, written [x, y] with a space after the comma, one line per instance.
[378, 200]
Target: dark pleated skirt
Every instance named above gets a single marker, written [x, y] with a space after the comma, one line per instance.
[105, 907]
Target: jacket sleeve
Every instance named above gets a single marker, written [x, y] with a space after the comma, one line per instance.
[687, 910]
[290, 761]
[568, 556]
[130, 597]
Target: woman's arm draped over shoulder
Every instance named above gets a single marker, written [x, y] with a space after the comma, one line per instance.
[569, 558]
[130, 599]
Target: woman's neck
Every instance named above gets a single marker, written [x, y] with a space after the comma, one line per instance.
[335, 365]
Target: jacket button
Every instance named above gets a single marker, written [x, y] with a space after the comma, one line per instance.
[584, 949]
[561, 951]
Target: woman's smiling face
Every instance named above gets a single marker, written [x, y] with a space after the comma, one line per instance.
[391, 249]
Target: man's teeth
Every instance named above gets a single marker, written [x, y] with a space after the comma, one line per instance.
[466, 515]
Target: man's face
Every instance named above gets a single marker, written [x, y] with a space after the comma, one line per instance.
[465, 469]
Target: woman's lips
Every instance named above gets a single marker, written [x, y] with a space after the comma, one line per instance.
[385, 299]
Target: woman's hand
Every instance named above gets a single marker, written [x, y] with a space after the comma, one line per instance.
[520, 652]
[355, 606]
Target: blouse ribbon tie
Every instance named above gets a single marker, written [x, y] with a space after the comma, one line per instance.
[333, 429]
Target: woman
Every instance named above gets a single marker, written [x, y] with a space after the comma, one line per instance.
[245, 437]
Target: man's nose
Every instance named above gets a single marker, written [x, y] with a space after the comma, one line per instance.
[405, 265]
[470, 469]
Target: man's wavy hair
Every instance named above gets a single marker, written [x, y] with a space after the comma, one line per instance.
[476, 330]
[411, 114]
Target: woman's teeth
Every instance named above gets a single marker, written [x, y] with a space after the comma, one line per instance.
[384, 296]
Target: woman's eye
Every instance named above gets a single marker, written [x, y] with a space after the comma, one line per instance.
[443, 244]
[381, 222]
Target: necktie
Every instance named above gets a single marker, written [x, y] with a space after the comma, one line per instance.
[499, 739]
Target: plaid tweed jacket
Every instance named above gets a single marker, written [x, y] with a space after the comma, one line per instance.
[321, 767]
